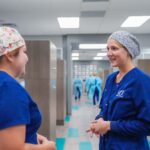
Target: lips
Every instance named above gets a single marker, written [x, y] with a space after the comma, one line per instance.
[112, 59]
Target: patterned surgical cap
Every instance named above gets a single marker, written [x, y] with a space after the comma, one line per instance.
[129, 41]
[10, 40]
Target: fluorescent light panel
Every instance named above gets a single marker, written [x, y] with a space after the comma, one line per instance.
[102, 54]
[98, 58]
[92, 46]
[135, 21]
[68, 22]
[75, 58]
[104, 50]
[75, 54]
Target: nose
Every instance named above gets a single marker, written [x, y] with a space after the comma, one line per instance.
[109, 53]
[27, 58]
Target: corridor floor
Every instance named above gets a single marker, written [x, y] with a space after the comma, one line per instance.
[73, 136]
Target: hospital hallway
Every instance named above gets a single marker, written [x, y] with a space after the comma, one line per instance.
[73, 136]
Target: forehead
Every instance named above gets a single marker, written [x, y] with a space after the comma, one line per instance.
[113, 42]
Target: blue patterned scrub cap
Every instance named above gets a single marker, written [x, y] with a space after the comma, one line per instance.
[129, 41]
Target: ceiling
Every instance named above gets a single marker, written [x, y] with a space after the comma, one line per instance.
[39, 17]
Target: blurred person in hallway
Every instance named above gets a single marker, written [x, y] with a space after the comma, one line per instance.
[97, 90]
[87, 85]
[20, 117]
[124, 120]
[91, 90]
[101, 84]
[94, 88]
[77, 88]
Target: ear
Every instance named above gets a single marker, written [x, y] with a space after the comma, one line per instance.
[9, 57]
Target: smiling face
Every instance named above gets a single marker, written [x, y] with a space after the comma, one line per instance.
[117, 54]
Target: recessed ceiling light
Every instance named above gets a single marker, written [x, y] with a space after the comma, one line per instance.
[135, 21]
[68, 22]
[92, 46]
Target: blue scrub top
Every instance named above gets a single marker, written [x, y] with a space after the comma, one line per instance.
[18, 108]
[127, 106]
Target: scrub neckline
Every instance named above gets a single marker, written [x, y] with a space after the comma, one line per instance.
[118, 83]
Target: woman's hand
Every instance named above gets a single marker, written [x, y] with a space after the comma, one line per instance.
[99, 127]
[41, 138]
[49, 145]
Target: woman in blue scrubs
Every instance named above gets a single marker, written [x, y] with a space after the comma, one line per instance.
[124, 120]
[20, 117]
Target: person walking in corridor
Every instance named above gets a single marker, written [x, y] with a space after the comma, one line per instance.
[124, 120]
[20, 117]
[97, 91]
[77, 86]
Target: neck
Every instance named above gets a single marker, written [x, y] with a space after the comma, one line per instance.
[123, 70]
[126, 68]
[8, 70]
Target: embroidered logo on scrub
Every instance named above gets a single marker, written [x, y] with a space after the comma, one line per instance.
[120, 93]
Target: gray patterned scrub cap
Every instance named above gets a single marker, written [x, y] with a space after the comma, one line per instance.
[129, 41]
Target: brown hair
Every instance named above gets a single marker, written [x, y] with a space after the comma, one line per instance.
[14, 53]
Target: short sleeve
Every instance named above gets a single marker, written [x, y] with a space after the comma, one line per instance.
[14, 105]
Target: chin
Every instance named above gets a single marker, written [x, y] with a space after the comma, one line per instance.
[114, 65]
[21, 75]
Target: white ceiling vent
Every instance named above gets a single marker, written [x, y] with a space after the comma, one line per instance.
[92, 13]
[95, 0]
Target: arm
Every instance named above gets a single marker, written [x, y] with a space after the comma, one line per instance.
[131, 128]
[123, 128]
[100, 115]
[139, 125]
[99, 127]
[14, 138]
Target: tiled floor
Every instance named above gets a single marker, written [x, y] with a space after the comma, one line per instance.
[73, 136]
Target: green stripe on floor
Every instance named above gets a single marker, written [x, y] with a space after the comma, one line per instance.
[73, 132]
[75, 107]
[60, 143]
[67, 118]
[89, 102]
[85, 146]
